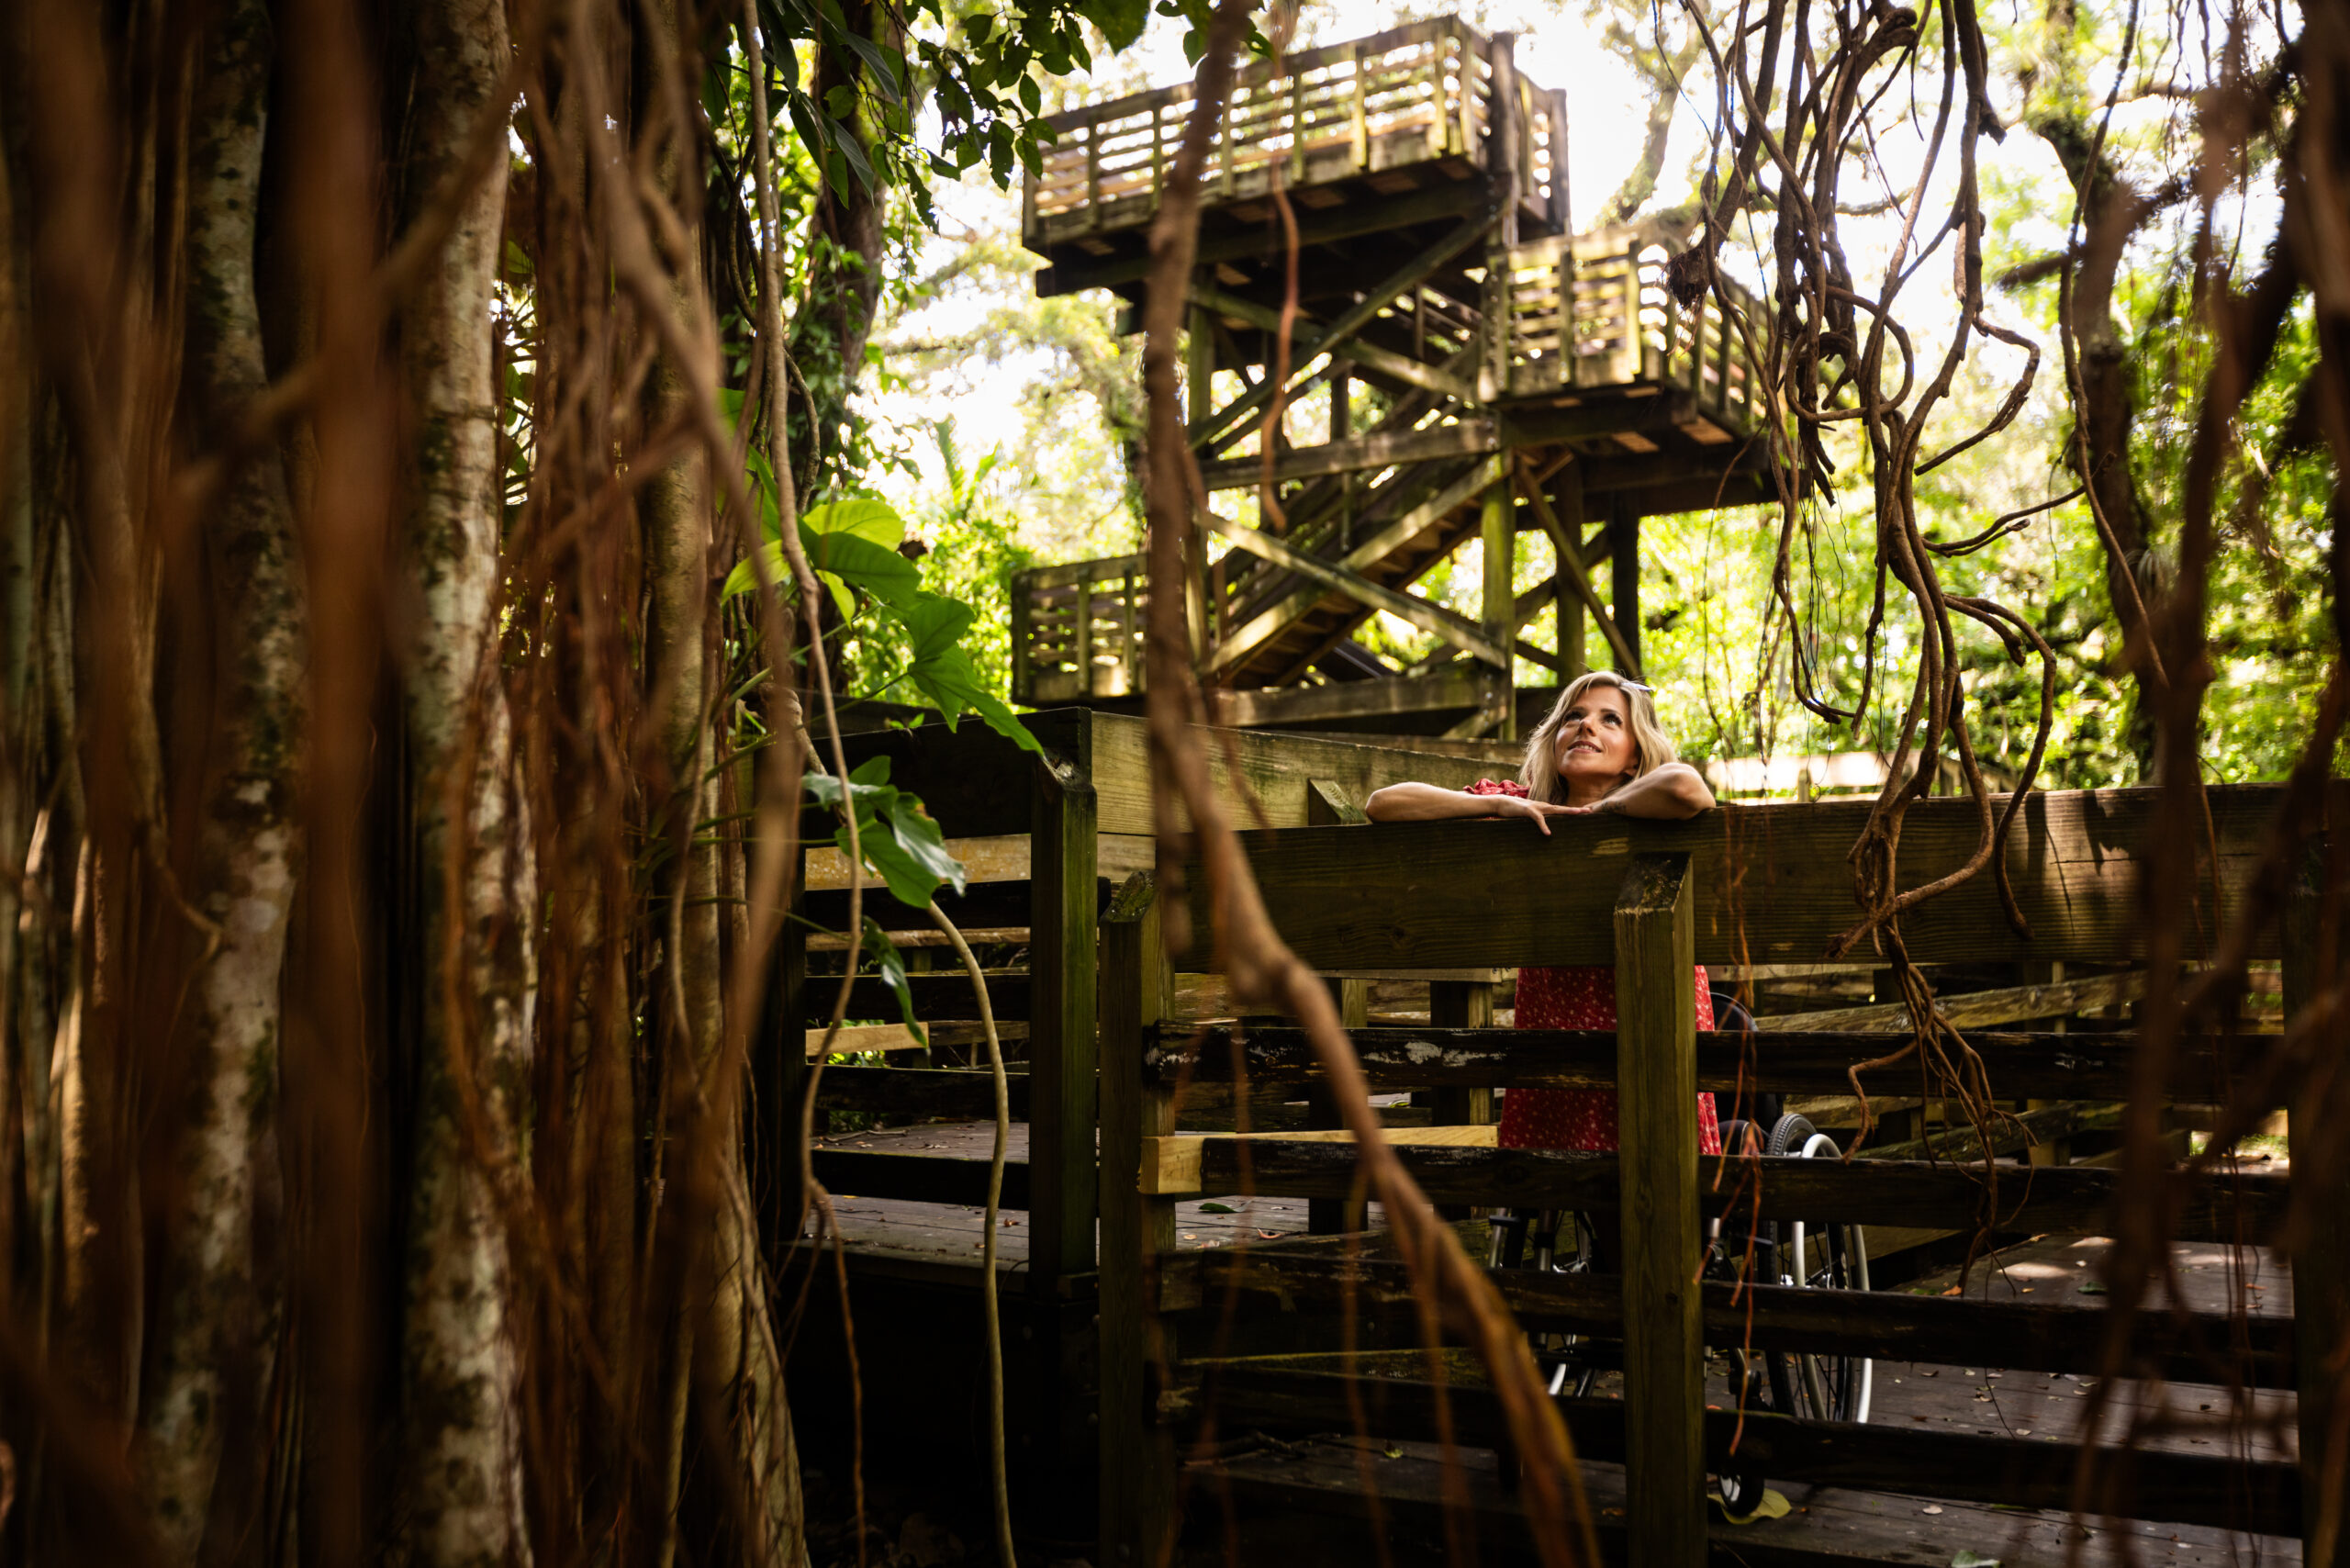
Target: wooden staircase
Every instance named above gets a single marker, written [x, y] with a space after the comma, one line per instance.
[1486, 373]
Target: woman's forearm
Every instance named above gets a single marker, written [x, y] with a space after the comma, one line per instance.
[1415, 803]
[1673, 792]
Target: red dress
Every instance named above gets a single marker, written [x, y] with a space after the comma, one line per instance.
[1578, 996]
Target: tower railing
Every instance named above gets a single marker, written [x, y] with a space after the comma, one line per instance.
[1408, 96]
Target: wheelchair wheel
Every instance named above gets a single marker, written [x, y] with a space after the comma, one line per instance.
[1523, 1241]
[1819, 1257]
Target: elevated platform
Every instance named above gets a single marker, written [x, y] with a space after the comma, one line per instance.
[1484, 372]
[1373, 137]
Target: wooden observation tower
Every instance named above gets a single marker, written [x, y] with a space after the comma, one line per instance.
[1487, 372]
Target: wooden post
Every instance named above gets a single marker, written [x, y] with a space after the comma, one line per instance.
[1573, 662]
[1624, 574]
[781, 1078]
[1498, 609]
[1326, 804]
[1502, 132]
[1560, 216]
[1360, 124]
[1062, 860]
[1199, 393]
[1137, 1468]
[1463, 1005]
[2313, 961]
[1656, 1078]
[1338, 1216]
[2052, 1151]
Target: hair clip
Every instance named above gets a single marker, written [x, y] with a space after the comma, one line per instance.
[1635, 686]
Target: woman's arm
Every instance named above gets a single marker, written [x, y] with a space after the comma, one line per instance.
[1671, 793]
[1431, 802]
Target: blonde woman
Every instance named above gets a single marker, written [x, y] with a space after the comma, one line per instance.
[1600, 750]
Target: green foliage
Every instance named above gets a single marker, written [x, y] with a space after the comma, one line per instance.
[881, 603]
[897, 838]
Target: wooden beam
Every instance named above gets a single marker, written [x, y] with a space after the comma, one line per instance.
[1062, 1109]
[2217, 1490]
[1352, 320]
[1137, 1464]
[2314, 968]
[1372, 214]
[1447, 894]
[1566, 542]
[1171, 1164]
[1362, 351]
[1497, 601]
[1466, 1003]
[1435, 619]
[1664, 1355]
[1341, 700]
[1327, 802]
[1624, 582]
[1261, 628]
[1470, 438]
[1888, 1325]
[1911, 1193]
[2070, 1067]
[2011, 1005]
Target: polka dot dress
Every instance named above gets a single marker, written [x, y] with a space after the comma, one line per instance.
[1578, 996]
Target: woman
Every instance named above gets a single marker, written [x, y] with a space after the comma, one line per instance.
[1600, 750]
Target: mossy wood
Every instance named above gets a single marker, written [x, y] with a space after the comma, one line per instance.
[2085, 1067]
[1772, 883]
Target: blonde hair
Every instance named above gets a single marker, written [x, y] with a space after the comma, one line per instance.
[1651, 747]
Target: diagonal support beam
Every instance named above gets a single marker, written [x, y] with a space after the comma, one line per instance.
[1371, 356]
[1258, 629]
[1470, 438]
[1570, 563]
[1458, 629]
[1352, 321]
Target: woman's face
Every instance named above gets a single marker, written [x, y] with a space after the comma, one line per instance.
[1594, 739]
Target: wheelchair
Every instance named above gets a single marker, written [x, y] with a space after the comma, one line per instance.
[1806, 1385]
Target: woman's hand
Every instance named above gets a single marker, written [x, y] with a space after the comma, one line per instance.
[1540, 811]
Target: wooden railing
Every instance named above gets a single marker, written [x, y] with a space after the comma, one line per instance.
[1077, 631]
[1592, 310]
[1744, 884]
[1407, 96]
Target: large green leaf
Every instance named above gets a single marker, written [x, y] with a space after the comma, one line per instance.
[860, 515]
[848, 561]
[922, 842]
[863, 565]
[1120, 20]
[895, 836]
[891, 966]
[949, 681]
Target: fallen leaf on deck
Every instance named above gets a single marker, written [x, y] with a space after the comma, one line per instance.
[2091, 1287]
[1933, 1507]
[1218, 1209]
[1966, 1559]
